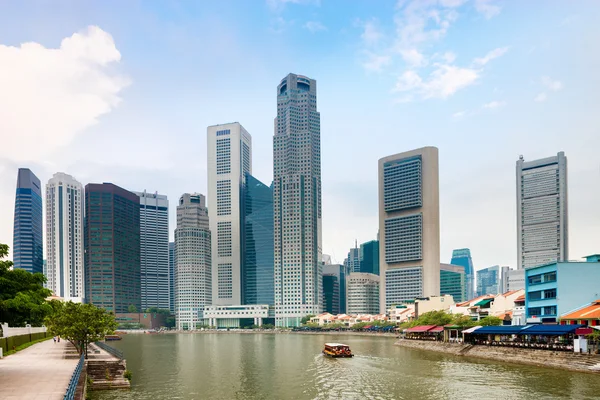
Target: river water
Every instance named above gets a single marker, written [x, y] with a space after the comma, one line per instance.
[290, 366]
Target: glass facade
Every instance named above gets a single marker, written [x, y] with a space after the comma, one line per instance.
[462, 257]
[112, 248]
[488, 280]
[331, 294]
[369, 257]
[453, 282]
[258, 285]
[340, 272]
[402, 182]
[28, 248]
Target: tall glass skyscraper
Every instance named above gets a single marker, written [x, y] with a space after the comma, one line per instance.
[112, 248]
[352, 261]
[369, 257]
[339, 272]
[297, 201]
[172, 276]
[462, 257]
[154, 250]
[28, 248]
[488, 280]
[331, 294]
[258, 286]
[453, 282]
[542, 211]
[64, 236]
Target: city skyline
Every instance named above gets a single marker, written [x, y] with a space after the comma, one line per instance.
[477, 170]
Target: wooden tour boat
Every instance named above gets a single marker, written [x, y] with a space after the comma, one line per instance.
[112, 337]
[337, 350]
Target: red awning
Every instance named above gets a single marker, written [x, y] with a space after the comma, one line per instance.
[437, 329]
[420, 328]
[368, 326]
[583, 331]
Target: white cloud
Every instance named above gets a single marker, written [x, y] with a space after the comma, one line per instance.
[375, 63]
[49, 96]
[278, 5]
[371, 34]
[315, 26]
[500, 51]
[449, 57]
[494, 104]
[487, 8]
[443, 82]
[551, 84]
[459, 114]
[413, 57]
[541, 97]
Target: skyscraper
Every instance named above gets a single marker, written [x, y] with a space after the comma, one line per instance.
[453, 282]
[339, 272]
[154, 250]
[28, 249]
[352, 262]
[363, 293]
[489, 280]
[64, 236]
[112, 248]
[229, 159]
[258, 286]
[297, 201]
[409, 220]
[369, 257]
[331, 294]
[172, 277]
[193, 271]
[463, 258]
[542, 211]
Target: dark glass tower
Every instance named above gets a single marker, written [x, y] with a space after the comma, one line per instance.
[258, 285]
[369, 257]
[331, 294]
[28, 250]
[463, 258]
[112, 247]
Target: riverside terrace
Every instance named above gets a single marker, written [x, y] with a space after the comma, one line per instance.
[544, 337]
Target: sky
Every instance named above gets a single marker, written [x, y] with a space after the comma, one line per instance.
[123, 91]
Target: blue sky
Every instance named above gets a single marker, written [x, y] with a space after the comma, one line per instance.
[127, 96]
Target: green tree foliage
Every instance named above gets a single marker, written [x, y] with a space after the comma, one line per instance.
[306, 319]
[489, 321]
[81, 324]
[132, 309]
[22, 294]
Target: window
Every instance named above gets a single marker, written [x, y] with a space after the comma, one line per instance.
[550, 294]
[402, 182]
[534, 311]
[534, 295]
[403, 238]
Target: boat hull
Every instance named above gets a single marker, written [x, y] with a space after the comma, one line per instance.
[337, 355]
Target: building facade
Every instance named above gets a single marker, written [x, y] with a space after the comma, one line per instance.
[363, 293]
[453, 282]
[352, 261]
[409, 222]
[193, 268]
[463, 258]
[516, 279]
[369, 257]
[542, 211]
[172, 277]
[229, 160]
[297, 201]
[28, 247]
[258, 280]
[331, 293]
[64, 237]
[558, 288]
[154, 250]
[340, 273]
[112, 248]
[488, 281]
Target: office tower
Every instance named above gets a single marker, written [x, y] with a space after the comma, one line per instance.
[489, 280]
[369, 257]
[297, 201]
[331, 294]
[340, 273]
[28, 249]
[172, 277]
[352, 262]
[64, 236]
[516, 279]
[112, 248]
[229, 159]
[463, 258]
[363, 293]
[193, 271]
[154, 250]
[409, 222]
[453, 282]
[542, 211]
[258, 285]
[45, 272]
[503, 274]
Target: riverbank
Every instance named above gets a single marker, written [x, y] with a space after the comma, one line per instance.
[265, 331]
[542, 358]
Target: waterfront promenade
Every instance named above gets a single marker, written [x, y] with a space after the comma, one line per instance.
[38, 372]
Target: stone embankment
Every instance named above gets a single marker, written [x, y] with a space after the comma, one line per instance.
[542, 358]
[105, 370]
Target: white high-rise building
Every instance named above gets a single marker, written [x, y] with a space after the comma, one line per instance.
[154, 250]
[363, 293]
[409, 222]
[64, 236]
[229, 159]
[297, 201]
[542, 212]
[193, 272]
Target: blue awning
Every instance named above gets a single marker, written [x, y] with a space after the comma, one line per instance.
[502, 330]
[551, 330]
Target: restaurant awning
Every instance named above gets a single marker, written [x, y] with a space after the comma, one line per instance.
[420, 328]
[437, 329]
[483, 303]
[551, 330]
[502, 330]
[471, 330]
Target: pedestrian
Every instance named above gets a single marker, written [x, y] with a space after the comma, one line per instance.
[54, 339]
[58, 338]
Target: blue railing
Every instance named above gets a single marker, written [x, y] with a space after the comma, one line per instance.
[110, 350]
[71, 389]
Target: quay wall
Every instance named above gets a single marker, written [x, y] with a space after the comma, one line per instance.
[543, 358]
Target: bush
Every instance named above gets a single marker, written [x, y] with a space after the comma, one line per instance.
[127, 375]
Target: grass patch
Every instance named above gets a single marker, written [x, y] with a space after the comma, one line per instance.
[26, 345]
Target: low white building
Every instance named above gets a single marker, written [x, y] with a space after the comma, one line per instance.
[230, 316]
[433, 303]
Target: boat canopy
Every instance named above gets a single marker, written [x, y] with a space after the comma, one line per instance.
[336, 345]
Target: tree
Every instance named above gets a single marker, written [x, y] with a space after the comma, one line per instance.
[81, 324]
[306, 319]
[490, 321]
[22, 294]
[132, 309]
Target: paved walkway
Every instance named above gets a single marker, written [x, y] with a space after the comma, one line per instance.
[36, 373]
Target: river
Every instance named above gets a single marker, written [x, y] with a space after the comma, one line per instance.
[290, 366]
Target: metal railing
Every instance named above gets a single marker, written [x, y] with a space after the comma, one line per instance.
[111, 350]
[72, 388]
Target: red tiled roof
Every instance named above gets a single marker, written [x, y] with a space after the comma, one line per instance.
[421, 328]
[590, 312]
[520, 298]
